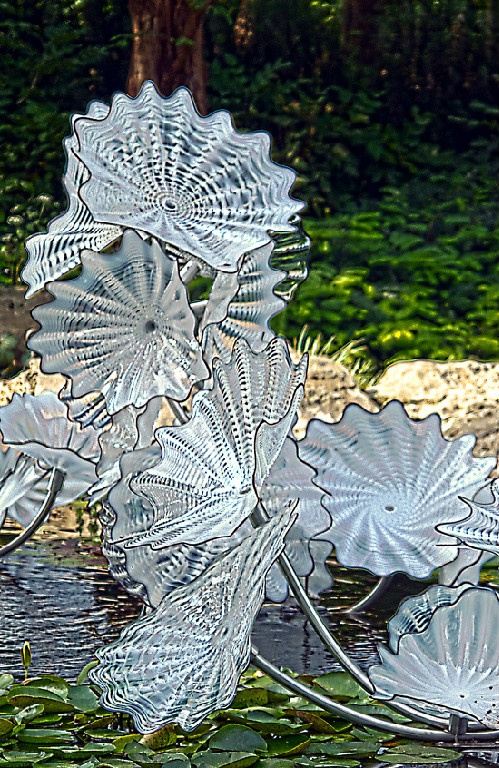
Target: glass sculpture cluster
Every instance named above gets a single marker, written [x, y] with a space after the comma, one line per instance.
[177, 418]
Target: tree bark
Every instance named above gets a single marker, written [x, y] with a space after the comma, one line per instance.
[359, 30]
[168, 46]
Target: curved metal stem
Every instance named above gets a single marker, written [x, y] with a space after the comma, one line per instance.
[177, 411]
[359, 718]
[379, 589]
[55, 486]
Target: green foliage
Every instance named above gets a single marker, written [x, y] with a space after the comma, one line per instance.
[53, 723]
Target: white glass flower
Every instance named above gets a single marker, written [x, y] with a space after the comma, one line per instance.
[38, 426]
[241, 305]
[183, 661]
[390, 481]
[414, 614]
[193, 182]
[480, 528]
[451, 667]
[203, 486]
[57, 251]
[124, 327]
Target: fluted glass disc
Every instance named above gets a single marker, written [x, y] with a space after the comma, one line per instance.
[38, 426]
[124, 327]
[480, 529]
[250, 303]
[203, 486]
[194, 182]
[183, 660]
[390, 481]
[57, 251]
[451, 667]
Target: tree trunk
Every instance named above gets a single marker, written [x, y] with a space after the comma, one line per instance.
[359, 30]
[168, 46]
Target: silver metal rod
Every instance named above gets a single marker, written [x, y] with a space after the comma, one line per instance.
[55, 485]
[358, 718]
[189, 271]
[378, 591]
[177, 411]
[198, 307]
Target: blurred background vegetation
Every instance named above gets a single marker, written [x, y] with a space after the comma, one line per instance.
[387, 109]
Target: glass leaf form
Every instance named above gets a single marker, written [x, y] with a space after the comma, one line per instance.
[143, 571]
[241, 305]
[414, 614]
[124, 327]
[390, 480]
[57, 251]
[452, 666]
[290, 478]
[480, 529]
[203, 486]
[183, 661]
[38, 426]
[193, 182]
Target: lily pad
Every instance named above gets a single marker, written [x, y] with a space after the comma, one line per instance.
[223, 759]
[159, 739]
[52, 683]
[237, 738]
[22, 759]
[83, 698]
[47, 736]
[250, 697]
[343, 748]
[342, 686]
[289, 745]
[315, 721]
[5, 726]
[418, 754]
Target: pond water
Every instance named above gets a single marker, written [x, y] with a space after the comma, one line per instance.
[59, 595]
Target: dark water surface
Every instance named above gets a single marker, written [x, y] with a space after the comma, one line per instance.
[58, 594]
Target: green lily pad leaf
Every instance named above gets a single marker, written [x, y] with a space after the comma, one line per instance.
[370, 734]
[289, 745]
[29, 713]
[26, 695]
[342, 686]
[115, 762]
[103, 733]
[89, 749]
[266, 723]
[90, 763]
[46, 719]
[22, 759]
[222, 759]
[121, 742]
[162, 738]
[5, 726]
[379, 711]
[343, 748]
[316, 722]
[100, 722]
[83, 676]
[60, 764]
[83, 698]
[45, 736]
[419, 754]
[6, 681]
[174, 760]
[237, 738]
[335, 762]
[52, 683]
[250, 697]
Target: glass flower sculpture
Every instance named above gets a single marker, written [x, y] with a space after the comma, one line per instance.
[480, 528]
[123, 328]
[184, 660]
[390, 480]
[450, 667]
[178, 414]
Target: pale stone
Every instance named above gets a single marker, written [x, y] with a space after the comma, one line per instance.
[31, 381]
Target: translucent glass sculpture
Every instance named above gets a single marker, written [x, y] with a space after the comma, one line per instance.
[391, 480]
[480, 528]
[453, 666]
[203, 486]
[39, 427]
[124, 328]
[183, 660]
[57, 251]
[241, 305]
[193, 182]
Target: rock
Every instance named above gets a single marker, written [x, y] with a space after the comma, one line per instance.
[31, 381]
[465, 394]
[329, 389]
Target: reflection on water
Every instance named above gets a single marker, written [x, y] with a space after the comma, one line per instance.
[64, 602]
